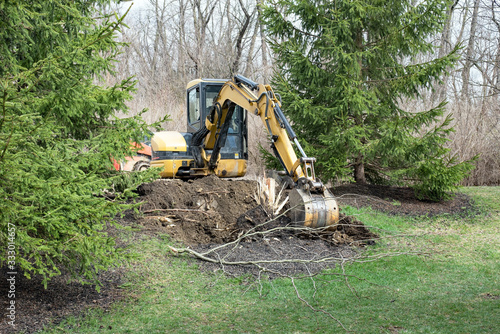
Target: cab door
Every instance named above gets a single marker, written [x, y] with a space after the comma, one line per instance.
[193, 109]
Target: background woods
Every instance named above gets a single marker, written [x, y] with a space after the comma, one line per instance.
[173, 42]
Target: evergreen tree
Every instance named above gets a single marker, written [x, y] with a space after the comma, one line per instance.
[344, 67]
[58, 134]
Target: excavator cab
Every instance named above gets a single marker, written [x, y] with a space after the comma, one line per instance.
[173, 151]
[200, 97]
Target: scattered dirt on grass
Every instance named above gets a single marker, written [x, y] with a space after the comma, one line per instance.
[393, 329]
[490, 296]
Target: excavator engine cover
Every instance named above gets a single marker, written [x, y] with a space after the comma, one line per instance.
[313, 210]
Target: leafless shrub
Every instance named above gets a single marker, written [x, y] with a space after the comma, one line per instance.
[478, 133]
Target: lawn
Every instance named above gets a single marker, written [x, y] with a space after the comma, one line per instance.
[432, 275]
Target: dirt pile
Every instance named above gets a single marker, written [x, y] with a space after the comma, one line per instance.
[197, 211]
[211, 210]
[277, 248]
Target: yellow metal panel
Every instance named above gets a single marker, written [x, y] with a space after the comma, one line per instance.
[169, 167]
[225, 168]
[193, 83]
[168, 141]
[231, 168]
[166, 166]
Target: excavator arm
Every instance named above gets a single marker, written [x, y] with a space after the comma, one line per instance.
[311, 203]
[263, 102]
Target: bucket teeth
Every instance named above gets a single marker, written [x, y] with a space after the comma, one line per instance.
[313, 210]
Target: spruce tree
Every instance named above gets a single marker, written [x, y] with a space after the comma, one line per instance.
[58, 135]
[343, 69]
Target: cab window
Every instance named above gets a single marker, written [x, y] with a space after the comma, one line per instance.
[211, 92]
[194, 107]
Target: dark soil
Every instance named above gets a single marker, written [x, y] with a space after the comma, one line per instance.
[399, 201]
[36, 307]
[195, 212]
[213, 211]
[206, 213]
[285, 251]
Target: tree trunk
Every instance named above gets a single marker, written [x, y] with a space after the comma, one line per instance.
[265, 63]
[470, 52]
[359, 166]
[495, 89]
[250, 56]
[239, 41]
[359, 170]
[444, 49]
[181, 47]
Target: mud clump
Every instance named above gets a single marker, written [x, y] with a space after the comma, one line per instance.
[353, 231]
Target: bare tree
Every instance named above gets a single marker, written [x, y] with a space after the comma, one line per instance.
[445, 47]
[241, 34]
[468, 61]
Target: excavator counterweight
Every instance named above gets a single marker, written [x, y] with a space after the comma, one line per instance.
[216, 143]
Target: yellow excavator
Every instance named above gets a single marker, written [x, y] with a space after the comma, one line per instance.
[216, 143]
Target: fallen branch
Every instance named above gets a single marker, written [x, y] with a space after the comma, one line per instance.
[334, 259]
[274, 262]
[214, 192]
[254, 262]
[178, 210]
[313, 308]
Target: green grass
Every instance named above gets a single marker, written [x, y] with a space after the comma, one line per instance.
[447, 281]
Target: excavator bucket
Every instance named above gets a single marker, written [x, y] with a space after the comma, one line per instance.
[313, 209]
